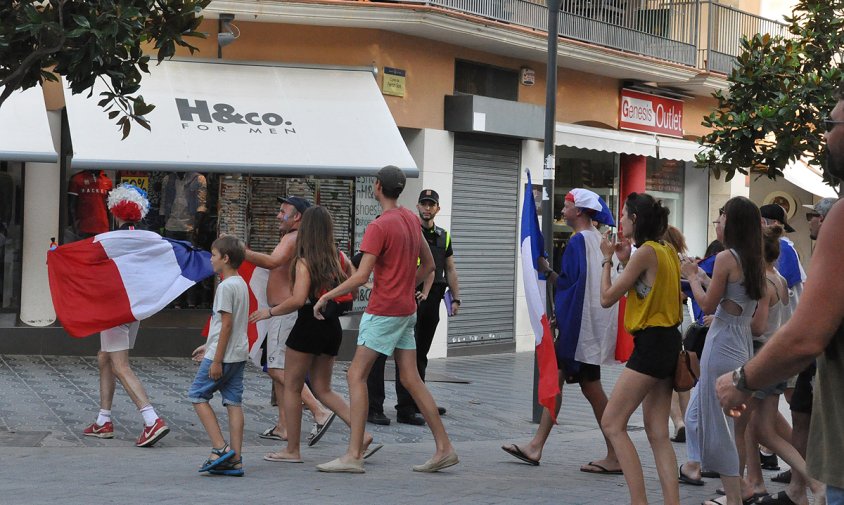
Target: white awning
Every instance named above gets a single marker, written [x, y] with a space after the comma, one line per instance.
[24, 129]
[247, 118]
[805, 177]
[624, 142]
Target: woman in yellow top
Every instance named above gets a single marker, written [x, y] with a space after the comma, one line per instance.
[651, 281]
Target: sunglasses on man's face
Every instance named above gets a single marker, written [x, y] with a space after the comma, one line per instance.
[811, 215]
[829, 124]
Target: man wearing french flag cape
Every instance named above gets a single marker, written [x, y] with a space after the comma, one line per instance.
[108, 283]
[587, 332]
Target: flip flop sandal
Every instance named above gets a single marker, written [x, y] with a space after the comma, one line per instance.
[270, 434]
[601, 470]
[685, 479]
[680, 437]
[222, 456]
[515, 451]
[782, 477]
[321, 429]
[780, 498]
[372, 449]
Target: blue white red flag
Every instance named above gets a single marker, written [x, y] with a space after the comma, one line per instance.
[533, 247]
[119, 277]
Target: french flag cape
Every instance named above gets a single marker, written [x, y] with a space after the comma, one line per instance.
[588, 332]
[532, 248]
[256, 333]
[120, 276]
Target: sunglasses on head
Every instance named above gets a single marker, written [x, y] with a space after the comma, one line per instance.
[829, 124]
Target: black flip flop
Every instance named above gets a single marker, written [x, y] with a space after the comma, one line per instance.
[601, 470]
[680, 437]
[685, 479]
[516, 452]
[780, 498]
[782, 477]
[321, 429]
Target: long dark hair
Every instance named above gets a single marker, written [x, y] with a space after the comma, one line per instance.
[743, 232]
[315, 245]
[651, 217]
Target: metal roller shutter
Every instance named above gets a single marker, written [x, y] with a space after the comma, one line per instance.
[483, 227]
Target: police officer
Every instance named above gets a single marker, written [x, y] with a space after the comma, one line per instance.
[429, 296]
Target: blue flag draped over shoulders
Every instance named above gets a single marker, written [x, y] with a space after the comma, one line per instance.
[568, 300]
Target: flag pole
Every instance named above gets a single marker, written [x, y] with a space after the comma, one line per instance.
[548, 166]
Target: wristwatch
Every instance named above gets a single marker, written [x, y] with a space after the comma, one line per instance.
[740, 380]
[455, 300]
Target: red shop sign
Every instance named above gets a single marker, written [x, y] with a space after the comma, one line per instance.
[650, 113]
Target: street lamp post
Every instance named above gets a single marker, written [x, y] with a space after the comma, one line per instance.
[549, 161]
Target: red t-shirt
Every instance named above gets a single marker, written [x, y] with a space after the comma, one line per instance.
[394, 238]
[91, 190]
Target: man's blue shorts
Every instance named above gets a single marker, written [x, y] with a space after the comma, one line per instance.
[387, 333]
[230, 384]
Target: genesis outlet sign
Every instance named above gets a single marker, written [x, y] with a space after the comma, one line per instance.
[650, 113]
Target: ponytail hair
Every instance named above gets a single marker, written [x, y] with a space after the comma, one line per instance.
[771, 243]
[651, 220]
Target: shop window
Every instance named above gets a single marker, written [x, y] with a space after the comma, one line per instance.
[664, 181]
[582, 168]
[485, 80]
[11, 235]
[198, 207]
[183, 206]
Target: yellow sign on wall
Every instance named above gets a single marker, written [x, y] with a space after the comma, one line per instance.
[139, 179]
[394, 81]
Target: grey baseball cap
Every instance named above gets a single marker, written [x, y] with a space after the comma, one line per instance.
[823, 206]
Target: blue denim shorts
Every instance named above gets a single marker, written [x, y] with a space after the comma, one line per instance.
[230, 384]
[387, 333]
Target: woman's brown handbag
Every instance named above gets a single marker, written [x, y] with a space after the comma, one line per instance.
[687, 371]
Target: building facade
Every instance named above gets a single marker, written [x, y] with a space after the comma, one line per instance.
[312, 96]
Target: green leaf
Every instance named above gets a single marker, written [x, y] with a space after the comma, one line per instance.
[81, 21]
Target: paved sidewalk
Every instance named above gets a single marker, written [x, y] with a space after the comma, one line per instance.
[45, 402]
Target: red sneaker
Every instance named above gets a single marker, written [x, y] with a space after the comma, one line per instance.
[95, 430]
[153, 434]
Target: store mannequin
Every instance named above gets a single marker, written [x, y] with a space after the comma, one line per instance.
[87, 193]
[183, 197]
[183, 208]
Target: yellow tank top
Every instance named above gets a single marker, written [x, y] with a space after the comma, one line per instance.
[661, 306]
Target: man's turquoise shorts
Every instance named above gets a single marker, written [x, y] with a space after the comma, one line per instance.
[387, 333]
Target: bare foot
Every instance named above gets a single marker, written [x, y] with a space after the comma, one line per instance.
[283, 456]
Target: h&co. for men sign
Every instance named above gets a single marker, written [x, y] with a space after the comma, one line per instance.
[650, 113]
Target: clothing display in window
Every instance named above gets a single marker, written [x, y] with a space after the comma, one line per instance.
[88, 191]
[183, 195]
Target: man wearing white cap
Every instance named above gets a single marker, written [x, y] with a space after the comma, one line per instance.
[587, 332]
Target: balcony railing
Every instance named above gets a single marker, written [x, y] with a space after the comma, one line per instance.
[696, 33]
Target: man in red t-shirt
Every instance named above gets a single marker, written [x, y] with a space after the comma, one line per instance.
[392, 246]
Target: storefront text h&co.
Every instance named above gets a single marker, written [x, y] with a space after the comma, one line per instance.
[225, 115]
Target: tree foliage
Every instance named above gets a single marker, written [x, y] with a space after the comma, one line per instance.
[94, 39]
[780, 91]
